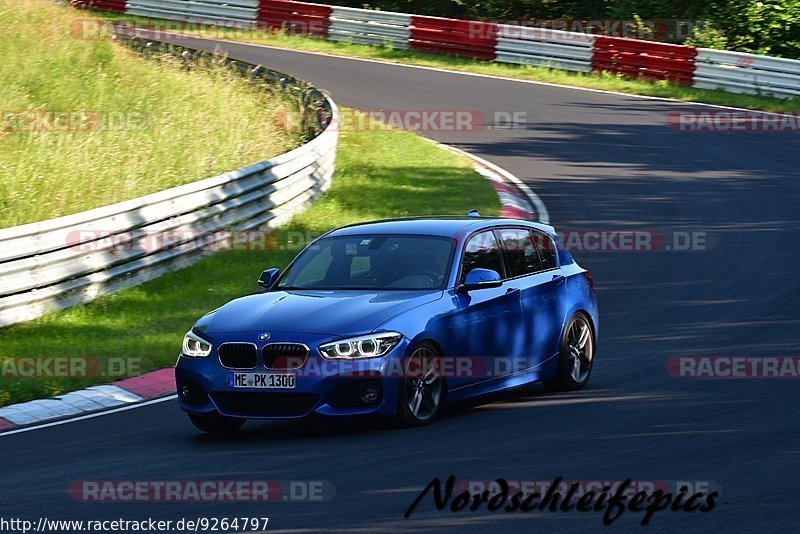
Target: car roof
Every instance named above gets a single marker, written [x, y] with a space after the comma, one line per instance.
[446, 226]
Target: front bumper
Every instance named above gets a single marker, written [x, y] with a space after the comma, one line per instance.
[325, 387]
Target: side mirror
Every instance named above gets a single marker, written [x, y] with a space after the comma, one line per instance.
[481, 279]
[268, 278]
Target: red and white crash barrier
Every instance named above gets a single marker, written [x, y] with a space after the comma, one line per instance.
[542, 47]
[370, 27]
[646, 59]
[237, 13]
[737, 72]
[295, 17]
[115, 6]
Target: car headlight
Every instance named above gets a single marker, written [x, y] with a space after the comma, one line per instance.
[195, 347]
[355, 348]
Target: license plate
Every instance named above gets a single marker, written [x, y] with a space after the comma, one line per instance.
[262, 380]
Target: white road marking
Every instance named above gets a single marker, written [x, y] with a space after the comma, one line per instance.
[541, 209]
[89, 416]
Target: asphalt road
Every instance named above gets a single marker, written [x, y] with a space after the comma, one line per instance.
[599, 162]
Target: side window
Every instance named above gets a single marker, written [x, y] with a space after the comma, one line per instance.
[520, 252]
[547, 249]
[482, 252]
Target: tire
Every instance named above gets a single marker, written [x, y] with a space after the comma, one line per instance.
[574, 346]
[419, 398]
[215, 423]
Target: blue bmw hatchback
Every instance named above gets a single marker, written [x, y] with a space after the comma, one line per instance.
[395, 318]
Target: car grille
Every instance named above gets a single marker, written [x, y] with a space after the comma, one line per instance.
[238, 355]
[284, 355]
[257, 404]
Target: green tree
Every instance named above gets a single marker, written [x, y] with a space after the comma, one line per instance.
[759, 26]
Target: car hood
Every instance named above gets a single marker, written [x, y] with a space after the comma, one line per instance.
[334, 313]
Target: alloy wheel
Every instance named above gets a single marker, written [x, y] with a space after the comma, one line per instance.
[423, 384]
[580, 350]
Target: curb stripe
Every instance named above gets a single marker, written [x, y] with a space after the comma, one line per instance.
[94, 399]
[150, 385]
[514, 213]
[89, 416]
[495, 173]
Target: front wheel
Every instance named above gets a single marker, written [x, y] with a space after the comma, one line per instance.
[216, 423]
[576, 357]
[422, 389]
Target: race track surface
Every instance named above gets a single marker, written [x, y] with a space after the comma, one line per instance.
[599, 162]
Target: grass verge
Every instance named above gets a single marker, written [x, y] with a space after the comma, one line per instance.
[601, 81]
[380, 174]
[85, 123]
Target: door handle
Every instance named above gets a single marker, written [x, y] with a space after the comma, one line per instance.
[559, 278]
[512, 291]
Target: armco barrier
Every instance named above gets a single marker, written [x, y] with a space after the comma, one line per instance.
[450, 36]
[295, 17]
[579, 52]
[366, 26]
[545, 48]
[54, 264]
[747, 73]
[645, 59]
[238, 13]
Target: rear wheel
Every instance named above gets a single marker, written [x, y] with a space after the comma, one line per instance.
[422, 389]
[576, 356]
[216, 423]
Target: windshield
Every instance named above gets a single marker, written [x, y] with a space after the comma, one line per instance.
[382, 262]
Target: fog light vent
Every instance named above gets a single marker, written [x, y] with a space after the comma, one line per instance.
[370, 395]
[356, 394]
[191, 393]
